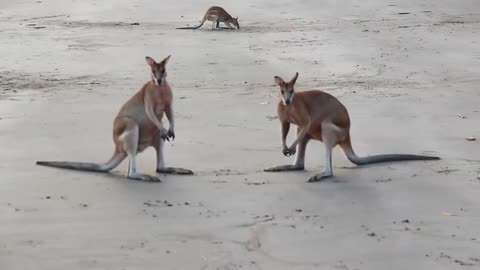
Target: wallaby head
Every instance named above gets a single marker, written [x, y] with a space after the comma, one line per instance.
[287, 88]
[159, 71]
[235, 22]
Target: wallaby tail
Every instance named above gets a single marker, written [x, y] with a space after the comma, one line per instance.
[86, 166]
[194, 27]
[347, 148]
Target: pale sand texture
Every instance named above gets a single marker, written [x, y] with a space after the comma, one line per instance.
[404, 79]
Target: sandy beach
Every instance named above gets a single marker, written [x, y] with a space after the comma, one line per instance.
[407, 71]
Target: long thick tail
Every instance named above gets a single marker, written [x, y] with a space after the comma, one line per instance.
[194, 27]
[85, 166]
[347, 148]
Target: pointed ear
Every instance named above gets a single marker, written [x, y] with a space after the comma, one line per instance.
[165, 61]
[279, 81]
[294, 79]
[150, 61]
[236, 18]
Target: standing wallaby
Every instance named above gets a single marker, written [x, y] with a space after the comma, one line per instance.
[217, 15]
[137, 126]
[320, 116]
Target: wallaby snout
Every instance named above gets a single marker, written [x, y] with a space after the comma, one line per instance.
[287, 97]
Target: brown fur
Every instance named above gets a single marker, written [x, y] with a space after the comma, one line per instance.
[320, 116]
[217, 15]
[138, 125]
[323, 106]
[133, 113]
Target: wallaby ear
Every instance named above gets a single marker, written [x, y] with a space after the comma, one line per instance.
[236, 18]
[294, 79]
[279, 81]
[150, 61]
[165, 61]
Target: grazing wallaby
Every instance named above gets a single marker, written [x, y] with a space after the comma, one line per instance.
[217, 15]
[320, 116]
[137, 126]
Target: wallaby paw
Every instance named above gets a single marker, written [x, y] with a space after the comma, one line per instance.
[289, 151]
[171, 134]
[284, 168]
[154, 179]
[164, 134]
[183, 171]
[179, 171]
[319, 177]
[145, 177]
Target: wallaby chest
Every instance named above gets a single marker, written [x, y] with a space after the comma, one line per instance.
[162, 98]
[291, 114]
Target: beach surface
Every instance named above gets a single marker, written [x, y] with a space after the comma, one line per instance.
[407, 71]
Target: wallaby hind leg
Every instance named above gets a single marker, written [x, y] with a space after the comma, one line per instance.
[299, 164]
[330, 135]
[129, 138]
[301, 150]
[328, 165]
[161, 168]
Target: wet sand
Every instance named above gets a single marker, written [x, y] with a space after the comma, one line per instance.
[408, 72]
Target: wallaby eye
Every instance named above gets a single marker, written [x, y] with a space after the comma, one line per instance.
[283, 92]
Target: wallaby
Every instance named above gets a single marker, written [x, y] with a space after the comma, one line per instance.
[138, 126]
[320, 116]
[217, 15]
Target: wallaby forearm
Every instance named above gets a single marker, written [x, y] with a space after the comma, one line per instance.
[301, 135]
[170, 117]
[285, 130]
[149, 110]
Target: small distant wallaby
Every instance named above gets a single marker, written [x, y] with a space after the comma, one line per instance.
[320, 116]
[217, 15]
[138, 126]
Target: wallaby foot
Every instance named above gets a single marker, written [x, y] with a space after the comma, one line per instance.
[144, 177]
[171, 170]
[320, 177]
[329, 139]
[285, 168]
